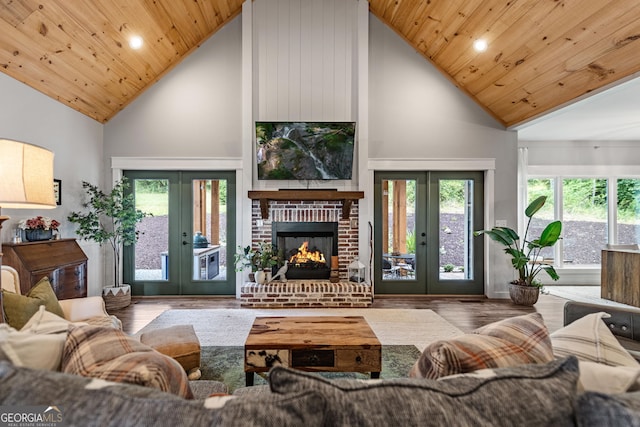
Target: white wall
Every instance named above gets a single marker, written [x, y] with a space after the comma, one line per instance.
[76, 140]
[604, 154]
[193, 111]
[416, 113]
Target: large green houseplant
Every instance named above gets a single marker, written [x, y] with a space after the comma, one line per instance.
[110, 217]
[525, 253]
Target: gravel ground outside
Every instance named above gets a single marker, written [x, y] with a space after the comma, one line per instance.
[583, 240]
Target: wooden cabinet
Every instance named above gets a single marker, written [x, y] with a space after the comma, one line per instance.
[63, 261]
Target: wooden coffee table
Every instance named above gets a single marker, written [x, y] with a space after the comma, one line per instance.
[318, 343]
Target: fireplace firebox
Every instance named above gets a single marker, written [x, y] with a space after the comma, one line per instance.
[308, 246]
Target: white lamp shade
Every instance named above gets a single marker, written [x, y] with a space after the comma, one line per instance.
[26, 176]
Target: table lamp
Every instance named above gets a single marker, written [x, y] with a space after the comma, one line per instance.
[26, 182]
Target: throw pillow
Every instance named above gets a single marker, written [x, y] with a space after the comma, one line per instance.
[515, 341]
[45, 322]
[598, 409]
[19, 309]
[36, 351]
[535, 394]
[110, 354]
[589, 339]
[608, 379]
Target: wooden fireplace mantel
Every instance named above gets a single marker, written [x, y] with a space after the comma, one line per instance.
[347, 198]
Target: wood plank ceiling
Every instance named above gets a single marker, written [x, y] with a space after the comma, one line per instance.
[542, 54]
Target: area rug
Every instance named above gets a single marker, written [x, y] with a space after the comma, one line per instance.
[403, 333]
[226, 364]
[230, 327]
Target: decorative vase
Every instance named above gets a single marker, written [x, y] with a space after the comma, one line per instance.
[261, 277]
[38, 234]
[524, 295]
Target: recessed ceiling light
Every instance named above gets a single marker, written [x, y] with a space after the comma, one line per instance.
[135, 42]
[480, 45]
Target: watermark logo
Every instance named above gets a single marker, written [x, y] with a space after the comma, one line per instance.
[31, 416]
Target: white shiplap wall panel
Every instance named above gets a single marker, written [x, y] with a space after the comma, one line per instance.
[294, 95]
[317, 57]
[304, 53]
[306, 64]
[283, 51]
[329, 51]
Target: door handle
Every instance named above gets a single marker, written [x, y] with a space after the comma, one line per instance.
[423, 243]
[184, 242]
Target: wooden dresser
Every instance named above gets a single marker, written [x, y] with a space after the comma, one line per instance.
[63, 261]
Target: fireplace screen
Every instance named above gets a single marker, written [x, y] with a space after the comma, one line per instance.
[308, 246]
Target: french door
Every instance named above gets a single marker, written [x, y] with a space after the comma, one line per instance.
[186, 247]
[423, 233]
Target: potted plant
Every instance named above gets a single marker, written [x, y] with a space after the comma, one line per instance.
[38, 228]
[525, 254]
[110, 217]
[260, 260]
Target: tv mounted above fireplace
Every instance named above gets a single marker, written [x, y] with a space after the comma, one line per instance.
[305, 151]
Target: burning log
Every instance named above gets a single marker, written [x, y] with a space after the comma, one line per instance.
[306, 258]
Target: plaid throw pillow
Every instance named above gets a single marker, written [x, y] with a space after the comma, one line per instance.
[110, 354]
[515, 341]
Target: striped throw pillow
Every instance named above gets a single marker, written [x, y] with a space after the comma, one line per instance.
[589, 339]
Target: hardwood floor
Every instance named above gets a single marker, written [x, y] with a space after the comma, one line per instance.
[467, 313]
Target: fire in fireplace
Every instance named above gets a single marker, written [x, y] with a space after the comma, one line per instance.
[307, 258]
[307, 246]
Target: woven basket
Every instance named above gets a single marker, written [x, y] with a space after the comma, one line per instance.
[117, 298]
[524, 295]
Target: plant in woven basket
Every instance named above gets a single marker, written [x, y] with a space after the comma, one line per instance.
[109, 217]
[525, 252]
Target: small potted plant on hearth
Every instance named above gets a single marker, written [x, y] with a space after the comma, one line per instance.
[38, 228]
[525, 254]
[260, 260]
[110, 217]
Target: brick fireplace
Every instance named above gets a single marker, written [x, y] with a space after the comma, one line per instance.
[281, 209]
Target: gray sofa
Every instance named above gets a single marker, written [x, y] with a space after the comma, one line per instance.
[525, 395]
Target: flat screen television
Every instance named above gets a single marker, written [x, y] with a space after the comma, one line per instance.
[305, 150]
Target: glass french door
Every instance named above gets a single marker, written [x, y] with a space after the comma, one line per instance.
[186, 246]
[423, 233]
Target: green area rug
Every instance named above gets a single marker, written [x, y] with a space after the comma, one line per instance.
[225, 364]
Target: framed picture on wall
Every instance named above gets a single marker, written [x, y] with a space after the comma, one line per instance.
[57, 191]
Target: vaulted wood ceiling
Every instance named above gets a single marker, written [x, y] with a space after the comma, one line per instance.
[542, 54]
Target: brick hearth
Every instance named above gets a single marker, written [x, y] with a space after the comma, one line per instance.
[303, 293]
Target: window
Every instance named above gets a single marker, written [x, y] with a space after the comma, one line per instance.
[584, 220]
[589, 222]
[628, 211]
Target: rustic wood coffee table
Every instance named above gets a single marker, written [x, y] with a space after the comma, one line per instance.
[318, 343]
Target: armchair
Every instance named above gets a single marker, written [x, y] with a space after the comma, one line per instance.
[88, 310]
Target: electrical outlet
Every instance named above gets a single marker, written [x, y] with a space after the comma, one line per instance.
[354, 223]
[501, 222]
[259, 223]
